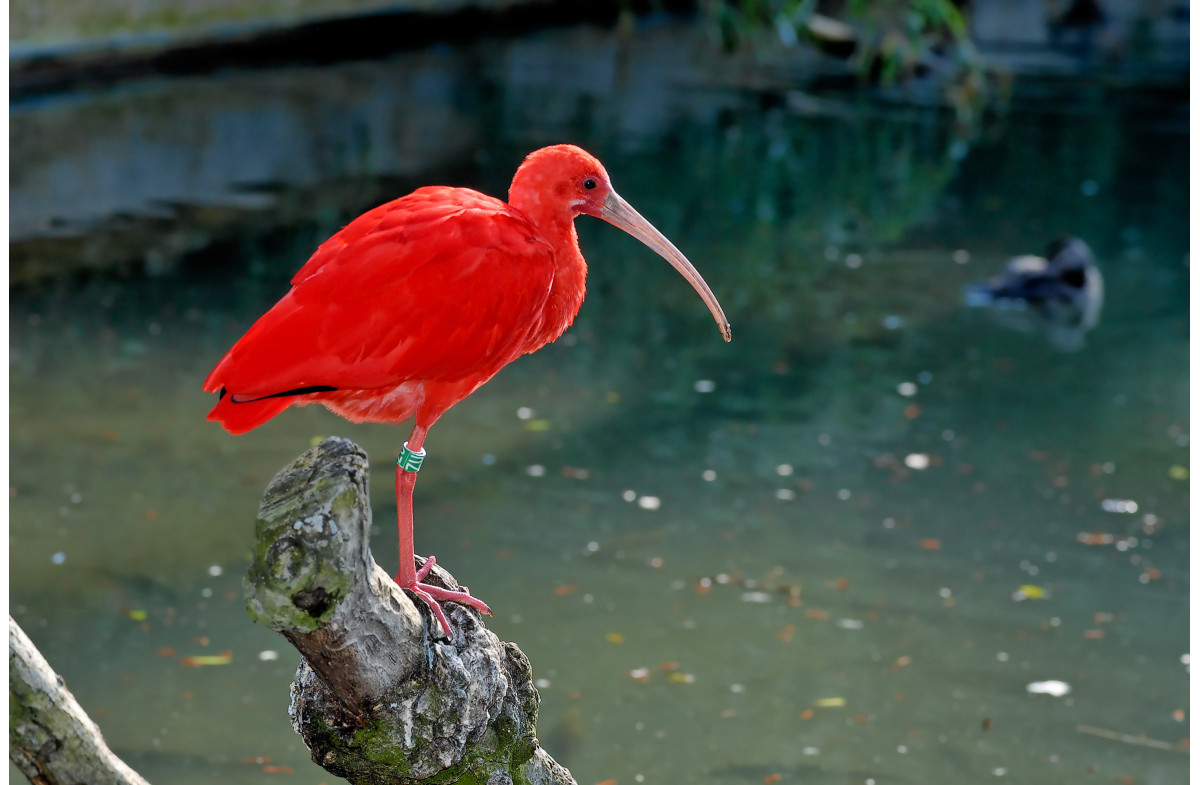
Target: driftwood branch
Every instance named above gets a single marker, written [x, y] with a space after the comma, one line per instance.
[50, 738]
[376, 698]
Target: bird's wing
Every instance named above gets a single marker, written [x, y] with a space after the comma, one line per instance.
[440, 285]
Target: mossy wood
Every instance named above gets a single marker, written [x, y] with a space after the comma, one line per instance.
[50, 738]
[376, 698]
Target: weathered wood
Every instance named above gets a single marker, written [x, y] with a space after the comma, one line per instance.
[50, 738]
[376, 698]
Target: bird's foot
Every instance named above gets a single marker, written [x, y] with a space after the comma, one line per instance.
[432, 595]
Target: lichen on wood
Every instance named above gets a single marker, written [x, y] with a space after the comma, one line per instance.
[50, 738]
[377, 698]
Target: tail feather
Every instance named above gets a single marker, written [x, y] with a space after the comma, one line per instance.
[247, 415]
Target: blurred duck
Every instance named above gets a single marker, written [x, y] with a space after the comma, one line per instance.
[1064, 291]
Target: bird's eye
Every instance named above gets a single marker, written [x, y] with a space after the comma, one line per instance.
[589, 183]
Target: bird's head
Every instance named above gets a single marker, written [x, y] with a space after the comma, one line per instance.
[565, 181]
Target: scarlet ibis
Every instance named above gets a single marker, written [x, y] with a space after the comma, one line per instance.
[416, 303]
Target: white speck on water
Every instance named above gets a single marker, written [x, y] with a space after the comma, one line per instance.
[542, 684]
[629, 496]
[737, 688]
[593, 546]
[844, 494]
[785, 494]
[704, 385]
[853, 261]
[524, 413]
[812, 750]
[944, 592]
[917, 460]
[948, 435]
[902, 749]
[1052, 687]
[709, 475]
[1127, 506]
[893, 322]
[961, 256]
[1002, 656]
[907, 389]
[649, 502]
[206, 592]
[999, 771]
[535, 470]
[756, 596]
[784, 470]
[58, 558]
[268, 655]
[850, 624]
[215, 570]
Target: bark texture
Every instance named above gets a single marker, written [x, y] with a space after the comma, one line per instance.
[377, 699]
[50, 738]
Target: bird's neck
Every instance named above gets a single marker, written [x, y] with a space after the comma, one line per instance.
[555, 225]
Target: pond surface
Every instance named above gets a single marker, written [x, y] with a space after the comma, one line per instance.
[836, 550]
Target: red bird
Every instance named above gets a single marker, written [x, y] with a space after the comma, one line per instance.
[416, 303]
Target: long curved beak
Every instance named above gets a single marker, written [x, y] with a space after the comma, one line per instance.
[618, 213]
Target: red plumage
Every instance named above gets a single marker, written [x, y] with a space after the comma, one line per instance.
[416, 303]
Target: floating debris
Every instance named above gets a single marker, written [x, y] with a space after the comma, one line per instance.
[649, 502]
[761, 597]
[829, 703]
[224, 658]
[1028, 591]
[1052, 687]
[918, 461]
[1126, 506]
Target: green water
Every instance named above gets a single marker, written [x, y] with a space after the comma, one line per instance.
[776, 466]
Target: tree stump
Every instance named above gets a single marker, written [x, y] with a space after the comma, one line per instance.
[377, 698]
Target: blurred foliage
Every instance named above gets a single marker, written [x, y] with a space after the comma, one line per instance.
[889, 42]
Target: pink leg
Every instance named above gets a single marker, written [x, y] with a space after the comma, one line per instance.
[408, 577]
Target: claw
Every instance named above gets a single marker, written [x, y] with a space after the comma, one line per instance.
[432, 595]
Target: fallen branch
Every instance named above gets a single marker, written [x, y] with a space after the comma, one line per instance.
[1129, 738]
[50, 738]
[376, 698]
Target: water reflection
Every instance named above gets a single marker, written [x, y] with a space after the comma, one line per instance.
[840, 246]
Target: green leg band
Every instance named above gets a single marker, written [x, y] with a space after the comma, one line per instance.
[411, 461]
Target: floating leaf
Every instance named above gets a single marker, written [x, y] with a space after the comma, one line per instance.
[829, 702]
[224, 658]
